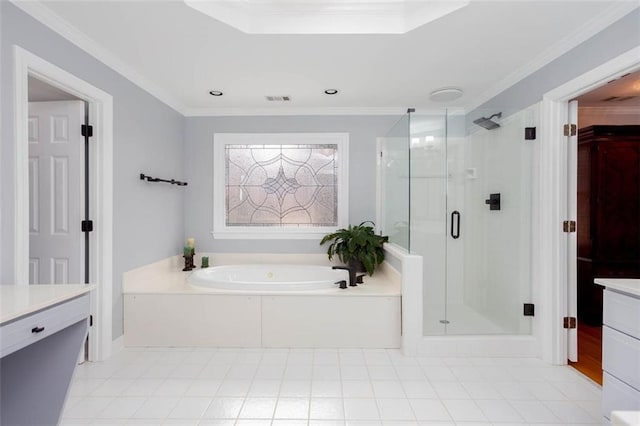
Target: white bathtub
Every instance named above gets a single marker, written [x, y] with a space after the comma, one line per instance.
[267, 277]
[276, 307]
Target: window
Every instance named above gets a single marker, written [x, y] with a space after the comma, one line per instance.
[279, 185]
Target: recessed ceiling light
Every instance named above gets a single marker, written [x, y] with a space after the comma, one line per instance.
[446, 94]
[215, 93]
[331, 91]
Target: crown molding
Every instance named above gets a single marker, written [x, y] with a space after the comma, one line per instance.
[586, 31]
[56, 23]
[257, 111]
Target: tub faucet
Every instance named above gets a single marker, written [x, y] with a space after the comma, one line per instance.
[352, 274]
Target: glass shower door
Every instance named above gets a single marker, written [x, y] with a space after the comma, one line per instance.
[488, 227]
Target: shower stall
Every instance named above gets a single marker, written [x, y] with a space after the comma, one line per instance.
[458, 192]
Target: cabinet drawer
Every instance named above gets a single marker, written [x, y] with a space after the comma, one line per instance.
[621, 356]
[622, 312]
[618, 396]
[32, 328]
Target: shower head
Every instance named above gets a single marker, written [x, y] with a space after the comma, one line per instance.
[488, 123]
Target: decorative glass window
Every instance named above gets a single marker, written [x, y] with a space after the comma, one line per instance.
[279, 185]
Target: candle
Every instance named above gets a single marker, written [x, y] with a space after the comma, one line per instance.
[205, 261]
[191, 242]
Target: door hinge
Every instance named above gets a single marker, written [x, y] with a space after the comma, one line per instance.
[569, 226]
[90, 320]
[570, 129]
[87, 226]
[569, 322]
[86, 130]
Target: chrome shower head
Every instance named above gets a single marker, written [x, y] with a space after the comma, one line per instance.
[488, 123]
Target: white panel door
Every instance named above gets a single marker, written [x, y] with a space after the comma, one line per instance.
[56, 159]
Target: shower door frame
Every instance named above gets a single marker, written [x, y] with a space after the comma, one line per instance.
[472, 345]
[551, 245]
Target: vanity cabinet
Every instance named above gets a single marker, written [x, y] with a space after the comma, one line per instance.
[620, 346]
[42, 329]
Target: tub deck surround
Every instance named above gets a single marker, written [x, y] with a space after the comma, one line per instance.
[161, 308]
[166, 277]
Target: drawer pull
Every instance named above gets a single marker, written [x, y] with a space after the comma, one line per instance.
[37, 329]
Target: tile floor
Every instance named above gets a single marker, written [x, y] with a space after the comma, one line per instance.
[255, 387]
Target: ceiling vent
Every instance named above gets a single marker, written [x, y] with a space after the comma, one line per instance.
[618, 98]
[278, 98]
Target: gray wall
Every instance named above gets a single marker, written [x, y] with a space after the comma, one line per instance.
[198, 160]
[613, 41]
[148, 138]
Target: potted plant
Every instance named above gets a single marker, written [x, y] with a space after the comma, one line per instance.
[358, 246]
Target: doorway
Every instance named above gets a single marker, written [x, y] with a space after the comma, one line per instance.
[552, 262]
[608, 189]
[99, 109]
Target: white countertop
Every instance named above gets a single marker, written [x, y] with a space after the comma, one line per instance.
[19, 300]
[625, 285]
[176, 283]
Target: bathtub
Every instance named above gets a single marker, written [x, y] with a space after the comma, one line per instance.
[288, 301]
[267, 278]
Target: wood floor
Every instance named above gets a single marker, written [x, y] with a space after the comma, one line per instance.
[589, 352]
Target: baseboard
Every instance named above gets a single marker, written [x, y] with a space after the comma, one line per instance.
[117, 345]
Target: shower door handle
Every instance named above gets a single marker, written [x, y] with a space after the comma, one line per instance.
[455, 224]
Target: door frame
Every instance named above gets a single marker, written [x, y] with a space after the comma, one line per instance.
[101, 187]
[551, 246]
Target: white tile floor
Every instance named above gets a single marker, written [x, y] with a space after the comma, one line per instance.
[346, 387]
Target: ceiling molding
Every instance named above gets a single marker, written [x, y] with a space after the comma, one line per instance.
[90, 46]
[222, 112]
[586, 31]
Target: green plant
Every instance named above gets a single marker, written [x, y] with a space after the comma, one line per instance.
[358, 243]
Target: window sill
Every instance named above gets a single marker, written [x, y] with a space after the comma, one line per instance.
[271, 235]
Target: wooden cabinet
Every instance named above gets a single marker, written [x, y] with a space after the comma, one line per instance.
[608, 222]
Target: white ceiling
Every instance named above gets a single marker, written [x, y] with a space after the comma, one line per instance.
[624, 91]
[179, 54]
